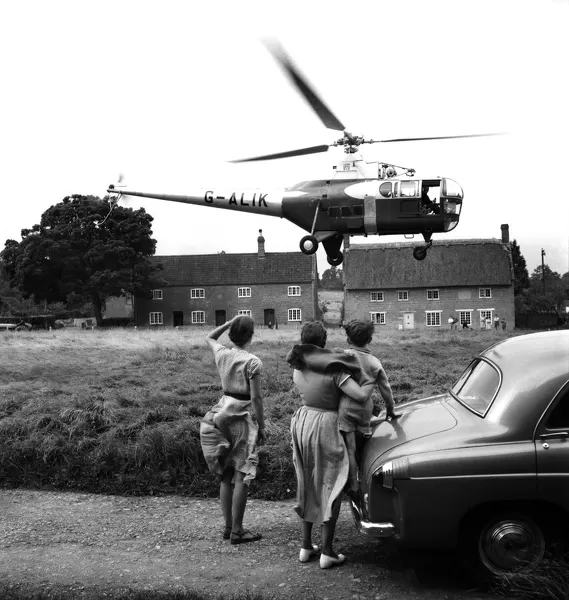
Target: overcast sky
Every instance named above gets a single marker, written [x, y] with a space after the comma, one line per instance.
[168, 92]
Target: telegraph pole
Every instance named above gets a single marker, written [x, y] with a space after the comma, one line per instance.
[543, 270]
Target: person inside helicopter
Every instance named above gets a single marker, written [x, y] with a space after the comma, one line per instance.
[427, 204]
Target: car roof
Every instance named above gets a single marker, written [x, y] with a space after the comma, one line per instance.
[534, 367]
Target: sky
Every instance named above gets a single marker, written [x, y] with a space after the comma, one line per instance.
[167, 93]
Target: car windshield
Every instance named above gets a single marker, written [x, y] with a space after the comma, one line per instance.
[477, 386]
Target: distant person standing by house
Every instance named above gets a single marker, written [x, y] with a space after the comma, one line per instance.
[451, 322]
[231, 430]
[503, 321]
[482, 321]
[496, 322]
[488, 323]
[355, 417]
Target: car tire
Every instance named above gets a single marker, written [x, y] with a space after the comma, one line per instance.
[501, 543]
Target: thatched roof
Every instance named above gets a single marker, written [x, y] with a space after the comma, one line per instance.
[237, 269]
[448, 264]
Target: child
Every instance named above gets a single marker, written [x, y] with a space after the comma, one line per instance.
[355, 416]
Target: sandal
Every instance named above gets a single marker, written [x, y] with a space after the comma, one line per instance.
[226, 533]
[244, 537]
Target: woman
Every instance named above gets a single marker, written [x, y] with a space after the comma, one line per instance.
[319, 452]
[231, 430]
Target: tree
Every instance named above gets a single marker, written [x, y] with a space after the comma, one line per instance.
[554, 296]
[521, 277]
[332, 279]
[82, 249]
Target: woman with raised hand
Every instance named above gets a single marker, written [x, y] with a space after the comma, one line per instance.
[319, 452]
[232, 429]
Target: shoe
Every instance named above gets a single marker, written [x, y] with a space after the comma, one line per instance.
[330, 561]
[305, 554]
[226, 533]
[245, 537]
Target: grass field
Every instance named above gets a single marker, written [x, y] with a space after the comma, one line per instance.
[118, 411]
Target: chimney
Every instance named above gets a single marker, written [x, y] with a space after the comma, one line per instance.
[505, 233]
[260, 245]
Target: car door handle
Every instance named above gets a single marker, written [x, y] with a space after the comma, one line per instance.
[557, 434]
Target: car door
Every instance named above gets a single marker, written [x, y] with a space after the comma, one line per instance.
[552, 450]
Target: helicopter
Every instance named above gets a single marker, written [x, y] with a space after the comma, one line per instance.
[361, 198]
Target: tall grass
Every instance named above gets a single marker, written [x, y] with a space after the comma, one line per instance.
[118, 411]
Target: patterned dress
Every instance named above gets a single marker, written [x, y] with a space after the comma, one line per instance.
[228, 432]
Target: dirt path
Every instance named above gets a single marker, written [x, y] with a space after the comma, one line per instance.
[86, 546]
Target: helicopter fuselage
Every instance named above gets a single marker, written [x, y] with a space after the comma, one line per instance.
[331, 208]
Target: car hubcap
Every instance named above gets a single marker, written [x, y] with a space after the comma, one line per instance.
[511, 545]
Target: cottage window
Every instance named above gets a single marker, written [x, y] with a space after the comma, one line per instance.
[244, 292]
[156, 318]
[465, 316]
[485, 292]
[294, 314]
[433, 318]
[294, 290]
[433, 295]
[402, 295]
[244, 313]
[198, 317]
[197, 293]
[376, 297]
[157, 295]
[378, 318]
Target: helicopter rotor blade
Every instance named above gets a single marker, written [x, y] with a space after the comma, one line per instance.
[440, 137]
[299, 152]
[326, 115]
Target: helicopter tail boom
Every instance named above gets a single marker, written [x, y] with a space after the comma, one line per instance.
[253, 201]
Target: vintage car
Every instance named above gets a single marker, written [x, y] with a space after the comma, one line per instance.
[20, 326]
[484, 467]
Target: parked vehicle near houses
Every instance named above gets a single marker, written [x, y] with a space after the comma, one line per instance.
[483, 467]
[19, 326]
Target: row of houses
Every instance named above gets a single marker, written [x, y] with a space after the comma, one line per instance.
[471, 280]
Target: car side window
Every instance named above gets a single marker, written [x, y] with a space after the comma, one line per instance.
[559, 416]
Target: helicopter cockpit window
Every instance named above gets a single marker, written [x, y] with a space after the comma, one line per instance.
[346, 211]
[451, 189]
[385, 189]
[409, 189]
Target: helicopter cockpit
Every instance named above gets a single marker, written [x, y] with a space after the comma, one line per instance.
[431, 197]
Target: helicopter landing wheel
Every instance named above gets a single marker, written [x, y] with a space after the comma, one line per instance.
[419, 253]
[336, 260]
[308, 244]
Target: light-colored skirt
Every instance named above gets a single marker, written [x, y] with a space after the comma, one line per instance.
[228, 436]
[321, 463]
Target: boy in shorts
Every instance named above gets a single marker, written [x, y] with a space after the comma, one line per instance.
[356, 416]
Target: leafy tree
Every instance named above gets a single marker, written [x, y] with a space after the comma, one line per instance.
[332, 279]
[84, 251]
[554, 296]
[521, 277]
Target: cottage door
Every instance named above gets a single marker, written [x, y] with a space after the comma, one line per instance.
[408, 321]
[220, 317]
[269, 315]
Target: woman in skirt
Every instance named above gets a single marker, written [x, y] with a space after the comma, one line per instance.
[319, 452]
[232, 429]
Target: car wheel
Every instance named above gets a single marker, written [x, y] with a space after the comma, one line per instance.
[504, 543]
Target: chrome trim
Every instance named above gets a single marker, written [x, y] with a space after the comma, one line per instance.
[379, 530]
